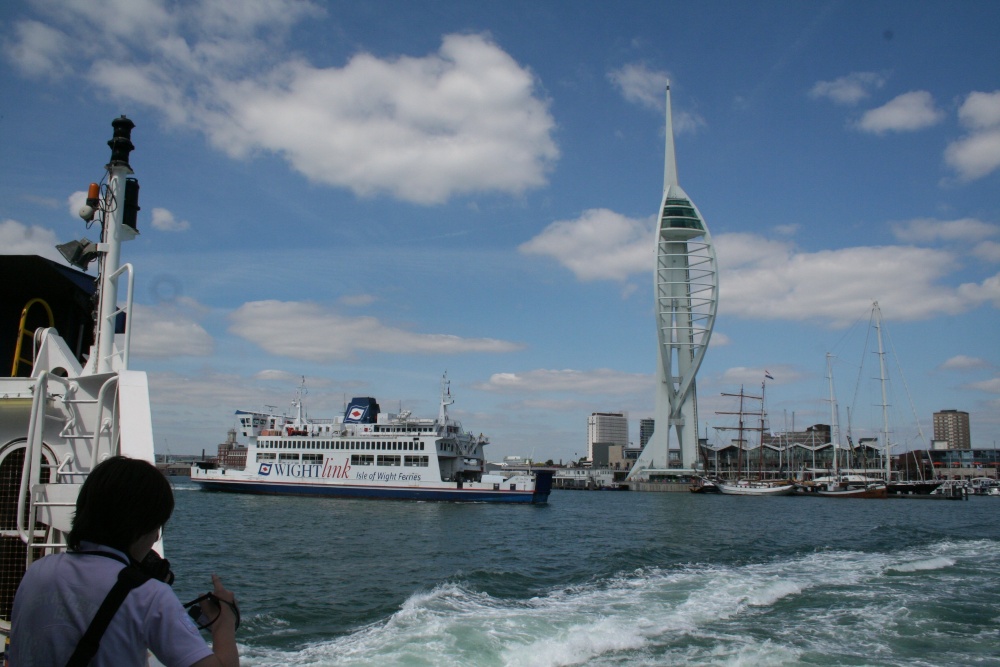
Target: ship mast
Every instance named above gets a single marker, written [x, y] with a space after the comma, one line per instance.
[834, 426]
[877, 313]
[446, 400]
[115, 208]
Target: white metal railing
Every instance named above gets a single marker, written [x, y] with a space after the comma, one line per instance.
[51, 502]
[123, 353]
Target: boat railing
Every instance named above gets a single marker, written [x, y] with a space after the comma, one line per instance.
[51, 501]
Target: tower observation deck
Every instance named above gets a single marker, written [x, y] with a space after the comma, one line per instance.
[686, 285]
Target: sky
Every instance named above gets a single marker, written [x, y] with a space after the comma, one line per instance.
[370, 195]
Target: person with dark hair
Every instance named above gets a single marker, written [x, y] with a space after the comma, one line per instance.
[107, 601]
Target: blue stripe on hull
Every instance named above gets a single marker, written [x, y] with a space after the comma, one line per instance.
[539, 496]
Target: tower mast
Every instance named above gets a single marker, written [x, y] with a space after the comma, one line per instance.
[686, 283]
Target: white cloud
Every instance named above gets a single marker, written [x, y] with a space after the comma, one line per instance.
[170, 330]
[599, 381]
[978, 153]
[991, 386]
[640, 85]
[762, 278]
[975, 156]
[927, 230]
[848, 90]
[980, 110]
[165, 221]
[271, 375]
[988, 251]
[467, 119]
[719, 339]
[599, 245]
[755, 376]
[307, 331]
[461, 121]
[174, 393]
[906, 113]
[787, 230]
[833, 285]
[987, 291]
[19, 239]
[962, 362]
[75, 202]
[357, 299]
[38, 50]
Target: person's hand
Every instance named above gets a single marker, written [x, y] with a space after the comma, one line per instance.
[228, 614]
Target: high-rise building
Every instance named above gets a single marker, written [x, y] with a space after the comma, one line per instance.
[952, 426]
[686, 280]
[606, 428]
[646, 427]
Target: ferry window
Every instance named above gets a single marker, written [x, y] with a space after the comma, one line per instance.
[415, 461]
[265, 456]
[288, 456]
[362, 459]
[312, 458]
[388, 460]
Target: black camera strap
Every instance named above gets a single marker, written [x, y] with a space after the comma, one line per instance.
[129, 577]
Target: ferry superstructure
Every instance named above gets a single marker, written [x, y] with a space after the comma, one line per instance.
[367, 453]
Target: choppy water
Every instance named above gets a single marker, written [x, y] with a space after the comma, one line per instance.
[599, 578]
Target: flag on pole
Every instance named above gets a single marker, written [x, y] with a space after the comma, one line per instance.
[768, 375]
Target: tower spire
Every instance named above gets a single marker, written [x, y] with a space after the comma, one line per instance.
[669, 159]
[686, 287]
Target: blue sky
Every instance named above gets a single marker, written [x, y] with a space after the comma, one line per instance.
[371, 194]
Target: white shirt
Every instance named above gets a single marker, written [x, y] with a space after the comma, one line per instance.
[59, 597]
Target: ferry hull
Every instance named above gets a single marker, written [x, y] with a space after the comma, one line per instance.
[538, 496]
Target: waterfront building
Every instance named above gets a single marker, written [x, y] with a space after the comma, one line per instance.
[606, 429]
[686, 283]
[952, 426]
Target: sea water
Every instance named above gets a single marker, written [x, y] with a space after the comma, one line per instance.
[599, 578]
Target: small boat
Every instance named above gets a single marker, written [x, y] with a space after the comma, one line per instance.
[703, 485]
[368, 454]
[747, 487]
[842, 489]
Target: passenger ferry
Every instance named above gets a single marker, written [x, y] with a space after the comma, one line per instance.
[368, 453]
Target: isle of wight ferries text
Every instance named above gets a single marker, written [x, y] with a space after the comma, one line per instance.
[329, 470]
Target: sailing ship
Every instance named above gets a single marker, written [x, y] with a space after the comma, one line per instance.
[840, 485]
[746, 483]
[857, 478]
[68, 404]
[368, 453]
